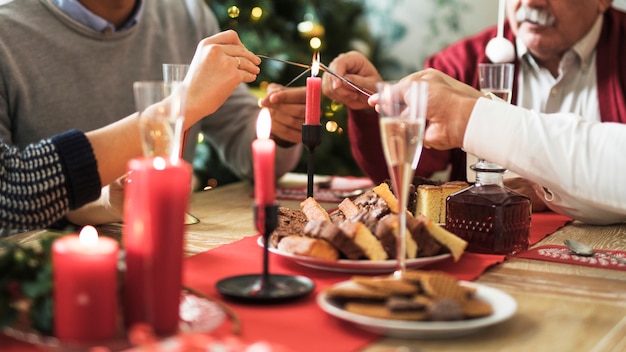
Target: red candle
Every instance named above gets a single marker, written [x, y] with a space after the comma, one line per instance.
[85, 286]
[264, 156]
[313, 94]
[156, 199]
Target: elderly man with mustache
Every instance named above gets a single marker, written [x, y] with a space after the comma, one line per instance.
[570, 57]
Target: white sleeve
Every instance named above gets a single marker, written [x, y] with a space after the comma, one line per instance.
[579, 164]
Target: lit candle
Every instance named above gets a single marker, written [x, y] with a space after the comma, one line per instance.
[85, 286]
[156, 198]
[313, 94]
[263, 152]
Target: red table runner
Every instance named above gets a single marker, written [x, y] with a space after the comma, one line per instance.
[301, 325]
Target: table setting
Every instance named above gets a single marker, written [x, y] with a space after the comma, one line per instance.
[218, 281]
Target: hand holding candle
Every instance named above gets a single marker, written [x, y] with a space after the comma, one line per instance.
[85, 286]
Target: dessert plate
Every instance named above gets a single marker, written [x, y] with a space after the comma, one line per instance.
[504, 306]
[354, 266]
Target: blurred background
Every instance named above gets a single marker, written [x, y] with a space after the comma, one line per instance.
[396, 35]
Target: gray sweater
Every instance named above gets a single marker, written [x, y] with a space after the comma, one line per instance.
[57, 74]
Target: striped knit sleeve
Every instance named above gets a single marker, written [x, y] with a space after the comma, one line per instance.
[42, 182]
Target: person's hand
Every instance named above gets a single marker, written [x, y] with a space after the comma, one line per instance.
[220, 64]
[355, 67]
[106, 209]
[527, 188]
[287, 107]
[449, 107]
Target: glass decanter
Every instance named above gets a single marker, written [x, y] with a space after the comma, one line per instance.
[492, 218]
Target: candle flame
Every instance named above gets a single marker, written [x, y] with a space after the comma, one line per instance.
[264, 124]
[159, 163]
[315, 64]
[88, 236]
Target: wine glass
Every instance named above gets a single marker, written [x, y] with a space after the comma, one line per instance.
[160, 128]
[175, 74]
[402, 122]
[497, 79]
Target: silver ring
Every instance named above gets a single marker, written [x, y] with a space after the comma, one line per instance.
[238, 61]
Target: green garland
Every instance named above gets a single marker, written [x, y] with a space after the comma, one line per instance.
[26, 284]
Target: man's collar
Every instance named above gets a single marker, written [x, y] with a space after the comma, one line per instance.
[80, 13]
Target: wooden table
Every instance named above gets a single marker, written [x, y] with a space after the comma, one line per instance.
[561, 307]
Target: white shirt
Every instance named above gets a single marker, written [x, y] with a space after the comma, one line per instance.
[579, 163]
[574, 90]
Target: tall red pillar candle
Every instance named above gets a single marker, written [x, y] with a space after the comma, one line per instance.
[156, 198]
[313, 95]
[85, 286]
[264, 159]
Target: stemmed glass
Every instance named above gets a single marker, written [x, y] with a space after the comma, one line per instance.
[402, 122]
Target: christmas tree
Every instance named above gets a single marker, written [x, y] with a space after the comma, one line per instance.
[293, 30]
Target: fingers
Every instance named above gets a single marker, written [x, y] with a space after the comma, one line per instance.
[224, 37]
[287, 107]
[231, 45]
[288, 128]
[277, 95]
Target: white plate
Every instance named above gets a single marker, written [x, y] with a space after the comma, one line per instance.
[504, 306]
[355, 266]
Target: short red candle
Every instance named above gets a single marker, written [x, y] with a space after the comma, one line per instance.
[85, 286]
[156, 199]
[313, 95]
[264, 156]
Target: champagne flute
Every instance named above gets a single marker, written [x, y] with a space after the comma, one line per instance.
[174, 74]
[402, 122]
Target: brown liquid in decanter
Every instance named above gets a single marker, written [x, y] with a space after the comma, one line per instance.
[492, 218]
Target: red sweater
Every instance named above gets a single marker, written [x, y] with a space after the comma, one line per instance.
[460, 61]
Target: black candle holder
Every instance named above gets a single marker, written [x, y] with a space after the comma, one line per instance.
[311, 138]
[265, 287]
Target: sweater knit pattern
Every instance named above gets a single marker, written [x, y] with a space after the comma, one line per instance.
[33, 186]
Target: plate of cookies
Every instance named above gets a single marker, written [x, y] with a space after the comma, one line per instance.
[322, 260]
[421, 304]
[360, 236]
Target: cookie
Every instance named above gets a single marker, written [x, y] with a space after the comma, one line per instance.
[389, 284]
[380, 311]
[441, 286]
[353, 290]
